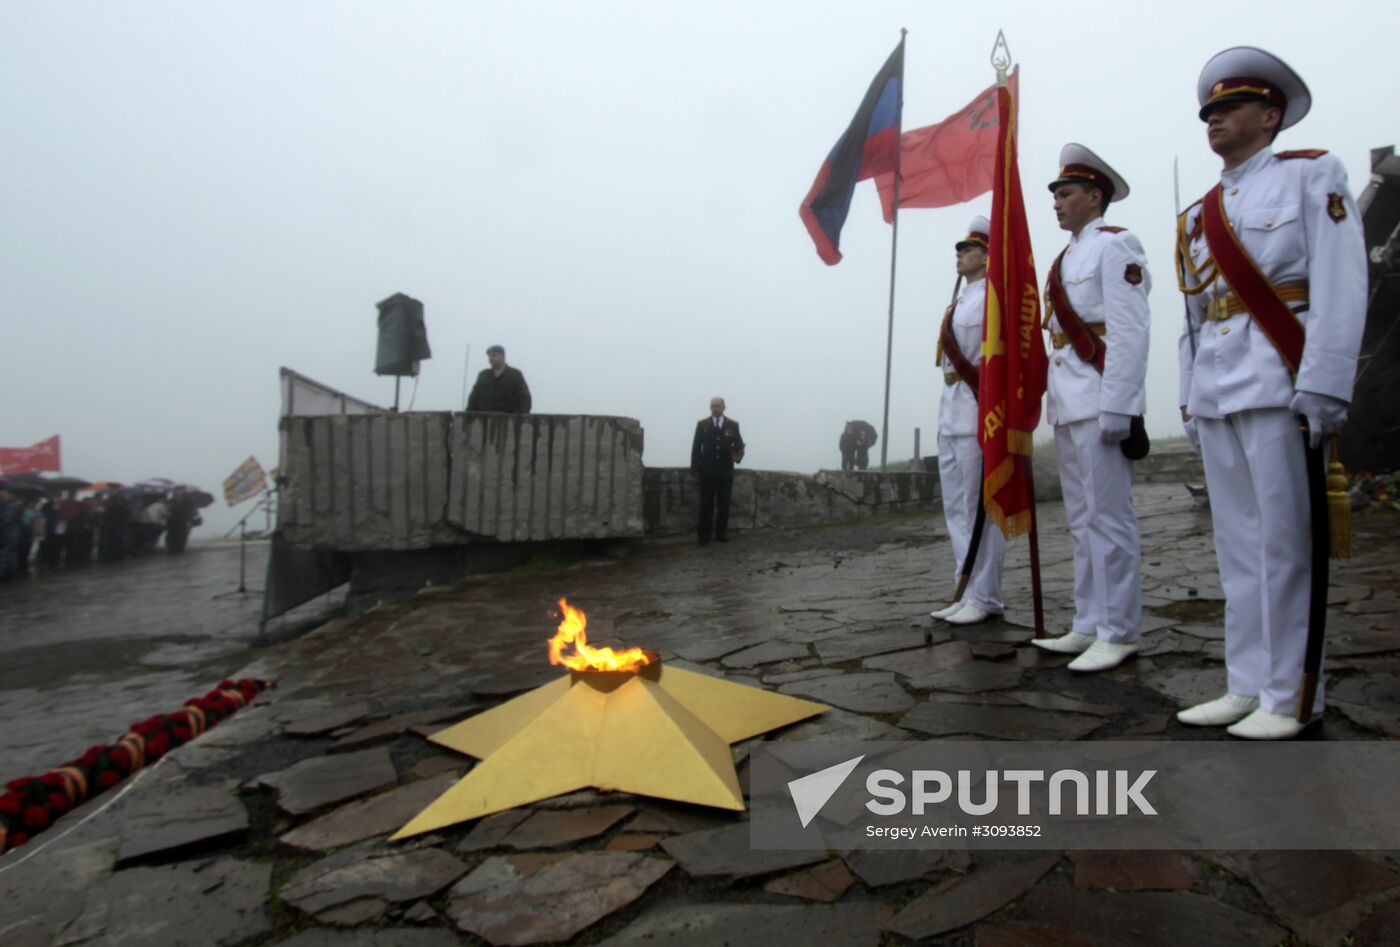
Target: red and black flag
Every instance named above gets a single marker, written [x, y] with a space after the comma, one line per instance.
[869, 146]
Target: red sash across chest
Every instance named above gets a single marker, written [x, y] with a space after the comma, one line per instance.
[1085, 343]
[949, 343]
[1269, 312]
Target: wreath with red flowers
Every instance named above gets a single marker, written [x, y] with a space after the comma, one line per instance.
[32, 803]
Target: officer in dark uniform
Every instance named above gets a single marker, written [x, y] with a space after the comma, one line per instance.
[718, 446]
[500, 387]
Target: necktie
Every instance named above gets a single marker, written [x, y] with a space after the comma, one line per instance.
[718, 422]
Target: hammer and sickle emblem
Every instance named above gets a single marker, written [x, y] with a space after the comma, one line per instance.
[978, 112]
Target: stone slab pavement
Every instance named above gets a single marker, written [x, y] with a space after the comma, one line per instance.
[93, 649]
[356, 696]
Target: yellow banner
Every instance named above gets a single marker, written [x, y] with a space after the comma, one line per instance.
[244, 483]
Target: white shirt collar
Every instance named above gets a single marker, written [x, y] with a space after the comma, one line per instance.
[1091, 227]
[1256, 161]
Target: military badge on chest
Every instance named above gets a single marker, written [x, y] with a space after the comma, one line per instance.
[1336, 208]
[1133, 274]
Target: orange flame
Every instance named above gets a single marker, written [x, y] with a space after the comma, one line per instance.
[572, 631]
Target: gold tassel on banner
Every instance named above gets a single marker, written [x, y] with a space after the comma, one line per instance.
[1338, 505]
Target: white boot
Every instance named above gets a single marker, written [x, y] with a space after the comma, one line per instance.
[1219, 712]
[1072, 643]
[1102, 655]
[1262, 725]
[943, 613]
[968, 614]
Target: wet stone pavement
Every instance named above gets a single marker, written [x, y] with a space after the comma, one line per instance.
[272, 828]
[110, 643]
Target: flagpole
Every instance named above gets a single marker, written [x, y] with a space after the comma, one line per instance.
[1037, 602]
[894, 251]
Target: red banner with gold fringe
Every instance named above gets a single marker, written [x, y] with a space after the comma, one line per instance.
[1013, 349]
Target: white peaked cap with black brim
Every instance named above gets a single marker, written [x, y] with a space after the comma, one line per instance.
[1243, 73]
[979, 234]
[1079, 165]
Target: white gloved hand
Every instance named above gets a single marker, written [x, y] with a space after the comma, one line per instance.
[1114, 427]
[1325, 414]
[1192, 436]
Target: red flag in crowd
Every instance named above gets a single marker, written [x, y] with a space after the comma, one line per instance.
[1013, 349]
[948, 163]
[41, 456]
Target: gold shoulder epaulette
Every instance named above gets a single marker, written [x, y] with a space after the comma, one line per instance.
[1107, 229]
[1302, 153]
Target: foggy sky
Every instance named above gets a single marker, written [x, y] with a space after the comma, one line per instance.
[192, 195]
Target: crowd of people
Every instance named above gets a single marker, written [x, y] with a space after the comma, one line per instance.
[42, 530]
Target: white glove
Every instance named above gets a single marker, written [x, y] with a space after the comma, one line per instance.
[1114, 427]
[1325, 414]
[1192, 436]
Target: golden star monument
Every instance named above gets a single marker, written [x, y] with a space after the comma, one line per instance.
[617, 722]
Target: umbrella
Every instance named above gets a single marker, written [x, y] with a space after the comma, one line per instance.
[871, 436]
[47, 484]
[21, 485]
[104, 486]
[155, 485]
[200, 498]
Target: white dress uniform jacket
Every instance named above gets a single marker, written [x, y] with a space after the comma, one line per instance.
[1296, 219]
[1106, 280]
[957, 412]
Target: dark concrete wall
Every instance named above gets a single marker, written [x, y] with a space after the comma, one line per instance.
[768, 499]
[1371, 440]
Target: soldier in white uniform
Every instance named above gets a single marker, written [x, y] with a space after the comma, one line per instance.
[1098, 317]
[1254, 367]
[959, 454]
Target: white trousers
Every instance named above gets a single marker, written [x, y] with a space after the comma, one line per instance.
[960, 479]
[1258, 481]
[1097, 481]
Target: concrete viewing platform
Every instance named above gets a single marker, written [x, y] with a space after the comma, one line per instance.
[384, 482]
[271, 828]
[427, 497]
